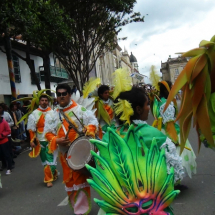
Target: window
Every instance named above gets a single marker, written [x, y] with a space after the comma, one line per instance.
[176, 72]
[37, 74]
[16, 69]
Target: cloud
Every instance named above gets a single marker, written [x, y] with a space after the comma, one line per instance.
[170, 27]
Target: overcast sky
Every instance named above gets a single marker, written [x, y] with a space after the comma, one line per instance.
[171, 26]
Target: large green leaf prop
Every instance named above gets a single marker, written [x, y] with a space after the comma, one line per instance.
[131, 178]
[197, 81]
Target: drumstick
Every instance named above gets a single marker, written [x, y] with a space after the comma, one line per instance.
[78, 120]
[81, 122]
[70, 127]
[33, 152]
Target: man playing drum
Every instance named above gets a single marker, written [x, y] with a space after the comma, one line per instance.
[36, 123]
[60, 135]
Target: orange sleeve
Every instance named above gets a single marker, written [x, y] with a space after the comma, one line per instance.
[52, 142]
[91, 130]
[32, 135]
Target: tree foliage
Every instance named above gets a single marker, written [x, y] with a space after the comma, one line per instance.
[77, 31]
[93, 26]
[39, 24]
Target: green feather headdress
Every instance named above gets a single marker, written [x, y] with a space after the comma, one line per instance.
[131, 179]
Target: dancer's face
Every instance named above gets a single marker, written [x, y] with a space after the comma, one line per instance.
[44, 102]
[105, 95]
[63, 97]
[143, 112]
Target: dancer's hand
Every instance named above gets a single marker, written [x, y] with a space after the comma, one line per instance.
[32, 145]
[62, 141]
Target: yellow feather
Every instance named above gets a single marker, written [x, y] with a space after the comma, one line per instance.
[103, 113]
[124, 108]
[122, 82]
[154, 78]
[90, 86]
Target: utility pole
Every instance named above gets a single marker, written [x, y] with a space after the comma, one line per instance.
[7, 46]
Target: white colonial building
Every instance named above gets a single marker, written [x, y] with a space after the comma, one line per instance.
[25, 85]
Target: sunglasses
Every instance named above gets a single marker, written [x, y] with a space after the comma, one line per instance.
[62, 94]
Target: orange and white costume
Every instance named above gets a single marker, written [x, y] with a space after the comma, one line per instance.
[56, 127]
[36, 123]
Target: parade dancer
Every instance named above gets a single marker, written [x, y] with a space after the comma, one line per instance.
[172, 129]
[39, 143]
[133, 108]
[104, 106]
[56, 130]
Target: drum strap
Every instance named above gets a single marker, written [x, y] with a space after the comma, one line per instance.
[69, 122]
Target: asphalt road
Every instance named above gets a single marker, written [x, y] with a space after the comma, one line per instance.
[24, 193]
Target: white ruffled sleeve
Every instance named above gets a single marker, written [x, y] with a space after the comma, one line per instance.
[88, 117]
[173, 159]
[51, 123]
[169, 114]
[31, 123]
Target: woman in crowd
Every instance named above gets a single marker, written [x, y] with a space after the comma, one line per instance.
[172, 129]
[132, 107]
[4, 144]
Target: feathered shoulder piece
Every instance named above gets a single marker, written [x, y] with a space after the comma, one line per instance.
[124, 109]
[34, 102]
[90, 86]
[122, 82]
[154, 78]
[87, 103]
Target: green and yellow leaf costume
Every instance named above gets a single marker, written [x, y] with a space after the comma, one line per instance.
[130, 177]
[197, 81]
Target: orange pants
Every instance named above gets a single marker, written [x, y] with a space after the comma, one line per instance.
[77, 188]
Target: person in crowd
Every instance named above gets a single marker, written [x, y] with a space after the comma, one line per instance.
[10, 122]
[6, 115]
[24, 110]
[4, 144]
[55, 103]
[172, 129]
[56, 129]
[39, 143]
[15, 127]
[74, 89]
[134, 107]
[104, 113]
[21, 130]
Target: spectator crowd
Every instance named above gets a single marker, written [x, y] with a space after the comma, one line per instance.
[12, 134]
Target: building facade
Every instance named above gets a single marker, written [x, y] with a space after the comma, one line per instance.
[110, 61]
[25, 85]
[172, 68]
[24, 82]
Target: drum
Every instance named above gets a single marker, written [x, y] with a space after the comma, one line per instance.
[79, 154]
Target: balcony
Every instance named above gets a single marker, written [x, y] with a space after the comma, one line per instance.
[57, 74]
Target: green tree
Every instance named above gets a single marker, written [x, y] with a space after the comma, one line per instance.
[45, 33]
[93, 26]
[15, 16]
[39, 24]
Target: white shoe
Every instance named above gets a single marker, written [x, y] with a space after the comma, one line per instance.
[8, 172]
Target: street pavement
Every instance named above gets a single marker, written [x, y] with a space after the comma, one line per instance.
[24, 192]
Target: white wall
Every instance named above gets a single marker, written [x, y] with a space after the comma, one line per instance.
[25, 87]
[4, 76]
